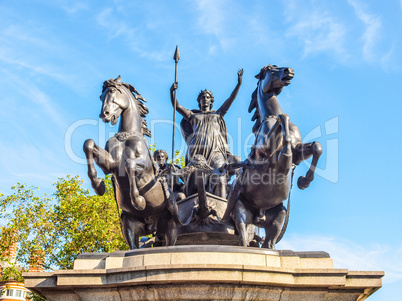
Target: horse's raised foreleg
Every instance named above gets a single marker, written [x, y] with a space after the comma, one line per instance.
[132, 230]
[242, 217]
[302, 152]
[102, 158]
[132, 167]
[273, 225]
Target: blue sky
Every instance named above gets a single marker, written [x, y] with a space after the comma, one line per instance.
[54, 56]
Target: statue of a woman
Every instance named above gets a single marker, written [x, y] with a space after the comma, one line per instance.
[205, 133]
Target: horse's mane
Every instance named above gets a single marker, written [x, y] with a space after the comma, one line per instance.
[253, 103]
[256, 115]
[116, 83]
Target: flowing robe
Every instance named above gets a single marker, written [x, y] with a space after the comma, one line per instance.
[205, 134]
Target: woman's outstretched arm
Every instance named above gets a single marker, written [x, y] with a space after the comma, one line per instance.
[228, 102]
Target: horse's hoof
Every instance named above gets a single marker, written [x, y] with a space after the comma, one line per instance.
[139, 203]
[303, 182]
[99, 186]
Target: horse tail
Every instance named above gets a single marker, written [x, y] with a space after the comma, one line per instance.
[231, 201]
[117, 204]
[285, 224]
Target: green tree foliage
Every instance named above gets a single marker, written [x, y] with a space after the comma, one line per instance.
[11, 272]
[35, 297]
[64, 225]
[69, 222]
[179, 160]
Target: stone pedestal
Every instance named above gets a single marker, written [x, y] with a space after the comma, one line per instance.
[204, 272]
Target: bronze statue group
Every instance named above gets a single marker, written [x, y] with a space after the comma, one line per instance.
[201, 200]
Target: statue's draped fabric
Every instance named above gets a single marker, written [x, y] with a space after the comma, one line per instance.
[206, 135]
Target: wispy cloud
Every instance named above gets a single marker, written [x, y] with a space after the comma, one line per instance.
[211, 20]
[106, 18]
[317, 29]
[70, 7]
[347, 254]
[35, 177]
[320, 33]
[32, 36]
[42, 102]
[371, 34]
[38, 51]
[349, 32]
[41, 70]
[231, 26]
[74, 6]
[38, 165]
[117, 27]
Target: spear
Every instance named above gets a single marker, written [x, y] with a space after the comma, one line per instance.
[176, 58]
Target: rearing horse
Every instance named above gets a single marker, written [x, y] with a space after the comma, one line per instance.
[147, 203]
[258, 193]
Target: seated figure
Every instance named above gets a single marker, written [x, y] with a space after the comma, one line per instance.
[161, 158]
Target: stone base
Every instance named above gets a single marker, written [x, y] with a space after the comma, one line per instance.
[204, 272]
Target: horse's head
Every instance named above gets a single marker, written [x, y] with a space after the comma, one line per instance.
[271, 81]
[114, 100]
[272, 78]
[117, 97]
